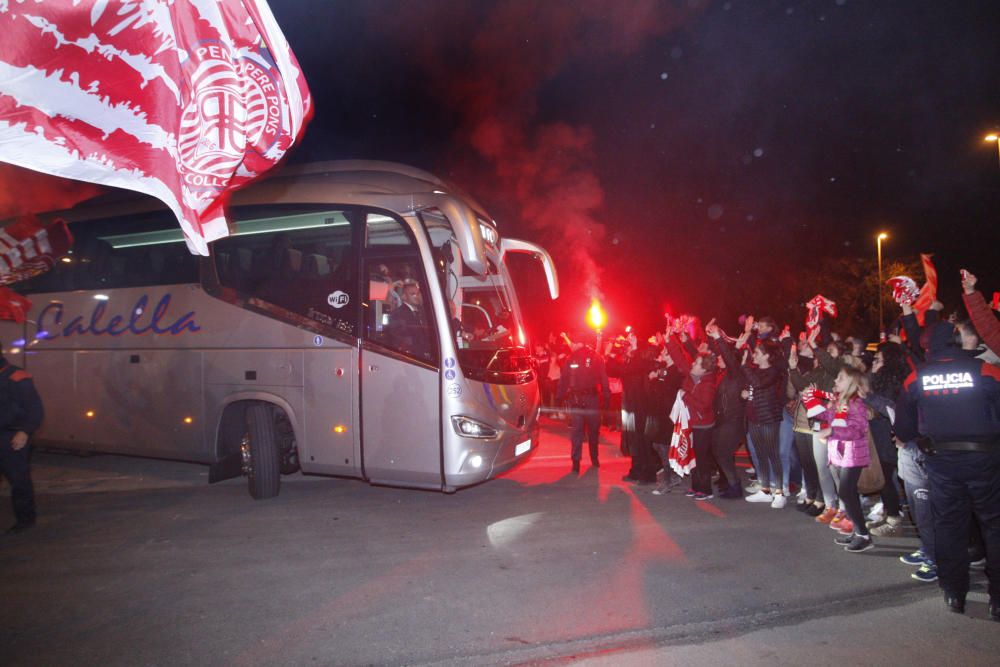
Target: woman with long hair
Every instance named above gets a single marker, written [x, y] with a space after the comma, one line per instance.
[889, 369]
[764, 393]
[764, 385]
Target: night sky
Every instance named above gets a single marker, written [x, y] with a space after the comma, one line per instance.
[701, 153]
[695, 155]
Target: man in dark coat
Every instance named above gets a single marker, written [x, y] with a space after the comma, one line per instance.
[21, 414]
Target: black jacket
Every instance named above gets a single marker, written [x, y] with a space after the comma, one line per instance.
[20, 405]
[583, 375]
[766, 386]
[953, 397]
[729, 404]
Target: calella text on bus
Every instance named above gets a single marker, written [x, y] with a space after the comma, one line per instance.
[50, 321]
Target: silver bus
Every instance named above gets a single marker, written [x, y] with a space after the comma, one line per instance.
[360, 321]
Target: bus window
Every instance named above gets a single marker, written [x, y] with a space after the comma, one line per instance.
[131, 251]
[397, 315]
[385, 231]
[489, 338]
[302, 264]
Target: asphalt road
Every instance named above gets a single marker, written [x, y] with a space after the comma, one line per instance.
[141, 562]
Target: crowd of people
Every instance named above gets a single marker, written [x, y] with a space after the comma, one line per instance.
[829, 423]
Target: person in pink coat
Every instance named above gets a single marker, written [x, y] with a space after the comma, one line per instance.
[847, 447]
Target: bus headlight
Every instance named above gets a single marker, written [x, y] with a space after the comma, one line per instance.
[471, 428]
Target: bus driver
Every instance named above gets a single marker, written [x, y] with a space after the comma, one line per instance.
[408, 323]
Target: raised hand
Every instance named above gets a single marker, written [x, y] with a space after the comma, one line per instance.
[968, 282]
[811, 339]
[712, 329]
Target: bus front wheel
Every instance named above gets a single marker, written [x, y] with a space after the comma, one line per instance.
[259, 450]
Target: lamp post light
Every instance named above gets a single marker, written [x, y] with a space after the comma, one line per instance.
[878, 244]
[996, 139]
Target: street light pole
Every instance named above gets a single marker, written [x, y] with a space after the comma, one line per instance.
[878, 244]
[996, 139]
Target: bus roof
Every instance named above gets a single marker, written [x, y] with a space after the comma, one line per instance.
[388, 185]
[316, 182]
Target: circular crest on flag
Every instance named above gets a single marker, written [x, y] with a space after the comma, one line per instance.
[235, 105]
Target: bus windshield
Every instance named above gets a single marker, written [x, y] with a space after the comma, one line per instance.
[485, 322]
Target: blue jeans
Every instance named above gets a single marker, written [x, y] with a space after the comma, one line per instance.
[914, 475]
[753, 457]
[791, 471]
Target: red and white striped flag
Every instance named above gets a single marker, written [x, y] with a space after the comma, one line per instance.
[28, 248]
[184, 100]
[815, 308]
[681, 453]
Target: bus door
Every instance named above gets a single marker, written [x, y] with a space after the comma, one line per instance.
[400, 395]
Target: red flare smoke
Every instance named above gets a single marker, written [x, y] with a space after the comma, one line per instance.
[23, 191]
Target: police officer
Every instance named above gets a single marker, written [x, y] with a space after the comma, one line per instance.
[583, 376]
[20, 415]
[951, 406]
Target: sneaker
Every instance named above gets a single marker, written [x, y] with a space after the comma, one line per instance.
[827, 515]
[916, 558]
[753, 487]
[838, 519]
[779, 501]
[892, 527]
[814, 510]
[926, 573]
[846, 527]
[860, 543]
[703, 496]
[661, 489]
[759, 496]
[844, 540]
[978, 564]
[802, 506]
[875, 524]
[690, 493]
